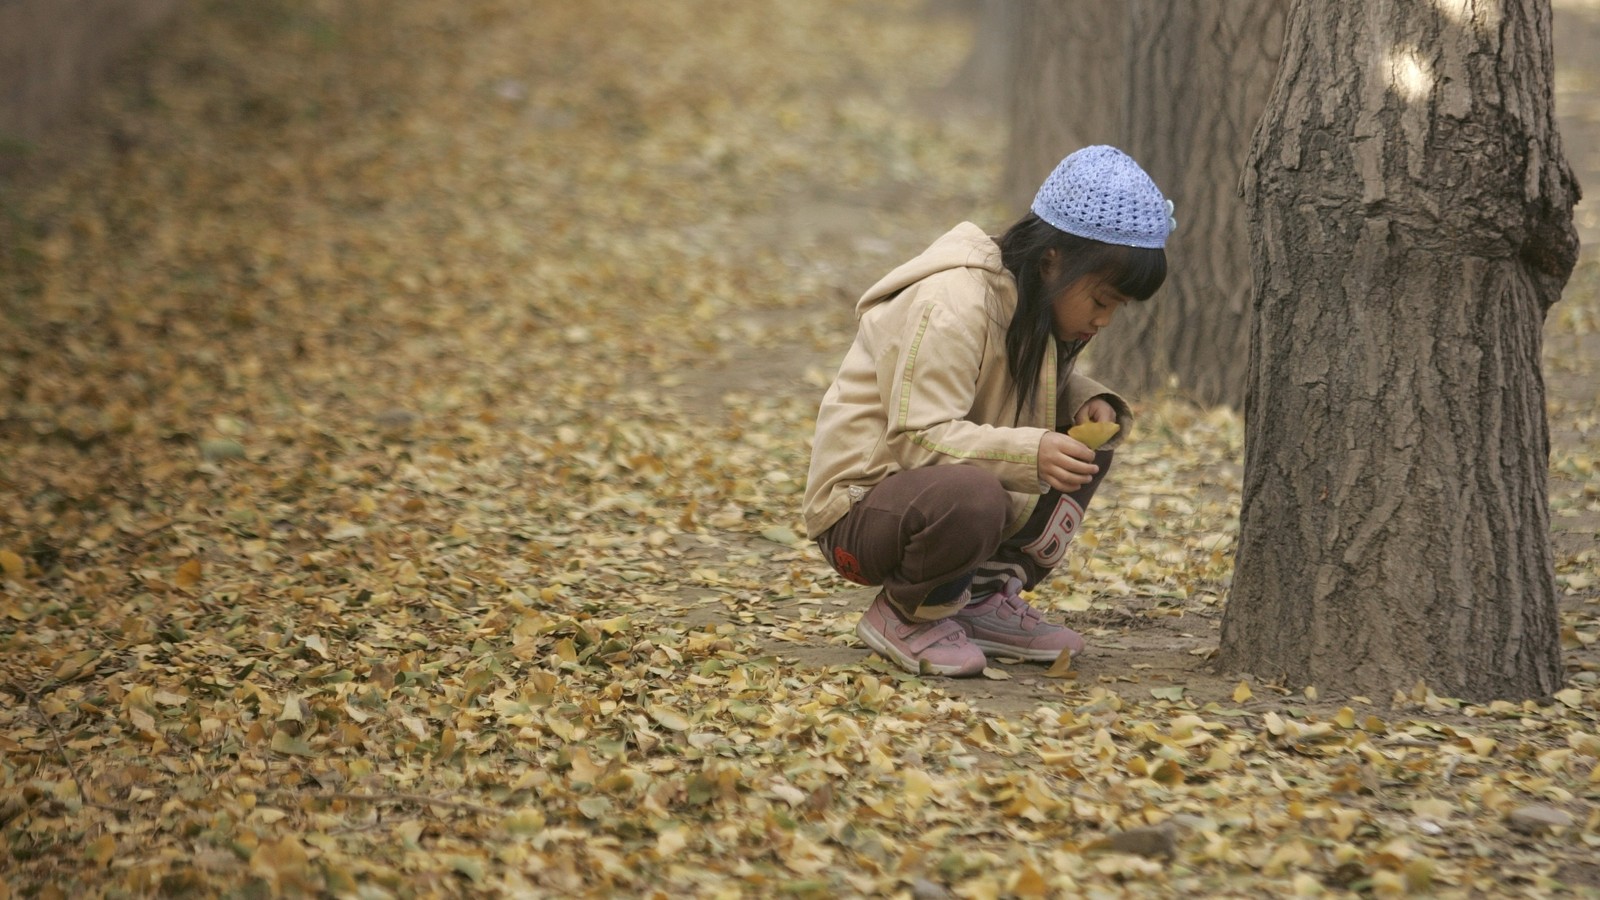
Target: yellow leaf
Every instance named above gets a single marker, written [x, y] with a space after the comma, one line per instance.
[77, 665]
[1242, 693]
[670, 841]
[13, 565]
[1344, 822]
[1093, 434]
[917, 787]
[1388, 884]
[779, 534]
[99, 850]
[669, 718]
[566, 650]
[525, 821]
[188, 574]
[1418, 875]
[1555, 760]
[584, 769]
[1029, 883]
[142, 720]
[1287, 856]
[1306, 885]
[280, 861]
[1062, 667]
[290, 745]
[1433, 808]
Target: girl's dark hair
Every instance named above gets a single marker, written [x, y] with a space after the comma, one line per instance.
[1134, 271]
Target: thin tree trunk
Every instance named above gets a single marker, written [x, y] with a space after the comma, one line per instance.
[1067, 87]
[1410, 224]
[1198, 75]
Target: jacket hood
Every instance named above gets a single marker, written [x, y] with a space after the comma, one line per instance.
[962, 247]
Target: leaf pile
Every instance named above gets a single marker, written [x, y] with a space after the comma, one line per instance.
[404, 424]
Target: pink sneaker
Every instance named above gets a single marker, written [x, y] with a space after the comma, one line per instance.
[938, 648]
[1005, 625]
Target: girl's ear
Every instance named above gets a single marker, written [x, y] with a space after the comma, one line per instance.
[1049, 262]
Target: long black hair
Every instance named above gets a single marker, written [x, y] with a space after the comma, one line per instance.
[1134, 271]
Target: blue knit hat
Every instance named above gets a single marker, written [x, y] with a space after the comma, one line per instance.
[1100, 193]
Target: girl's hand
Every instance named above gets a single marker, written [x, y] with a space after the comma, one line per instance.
[1065, 463]
[1095, 410]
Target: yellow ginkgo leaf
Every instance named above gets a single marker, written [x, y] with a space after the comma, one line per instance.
[1062, 667]
[1093, 434]
[188, 574]
[12, 565]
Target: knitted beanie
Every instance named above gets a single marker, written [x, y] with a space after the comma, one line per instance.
[1100, 193]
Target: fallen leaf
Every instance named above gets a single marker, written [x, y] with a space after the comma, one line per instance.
[779, 534]
[188, 574]
[1093, 434]
[669, 718]
[1062, 667]
[12, 565]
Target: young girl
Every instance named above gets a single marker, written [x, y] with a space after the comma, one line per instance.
[940, 469]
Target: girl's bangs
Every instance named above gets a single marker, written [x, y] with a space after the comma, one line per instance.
[1139, 271]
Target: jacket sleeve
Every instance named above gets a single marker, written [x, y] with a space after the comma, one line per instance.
[930, 389]
[1080, 389]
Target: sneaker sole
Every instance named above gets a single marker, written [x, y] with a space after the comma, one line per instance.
[1014, 652]
[887, 650]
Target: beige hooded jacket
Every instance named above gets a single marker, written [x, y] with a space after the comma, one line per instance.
[925, 383]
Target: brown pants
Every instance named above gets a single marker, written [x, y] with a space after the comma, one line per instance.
[929, 535]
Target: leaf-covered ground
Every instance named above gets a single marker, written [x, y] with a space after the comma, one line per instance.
[405, 409]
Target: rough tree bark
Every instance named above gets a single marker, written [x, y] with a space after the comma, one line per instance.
[1066, 87]
[1197, 82]
[1410, 224]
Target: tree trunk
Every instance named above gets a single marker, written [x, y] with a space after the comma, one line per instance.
[1067, 81]
[1410, 224]
[52, 52]
[985, 76]
[1198, 77]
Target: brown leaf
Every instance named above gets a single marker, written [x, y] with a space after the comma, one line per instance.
[1062, 667]
[188, 574]
[12, 565]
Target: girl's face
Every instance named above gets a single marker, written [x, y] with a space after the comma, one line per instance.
[1084, 307]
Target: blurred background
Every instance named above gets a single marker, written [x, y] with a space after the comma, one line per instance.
[557, 260]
